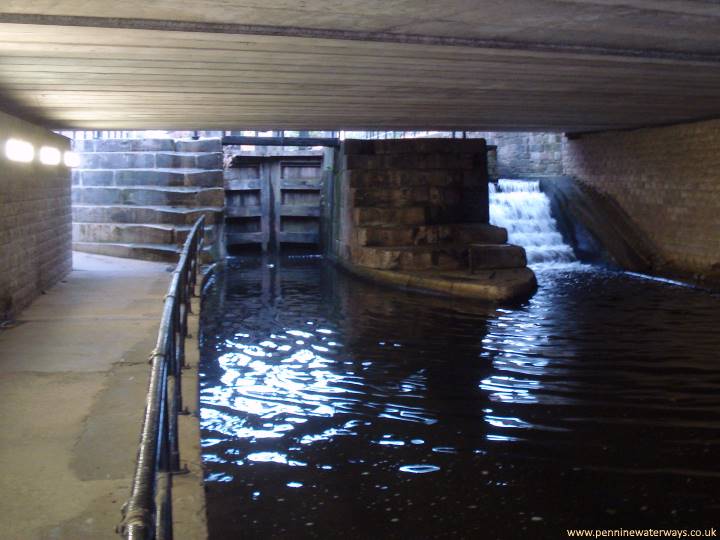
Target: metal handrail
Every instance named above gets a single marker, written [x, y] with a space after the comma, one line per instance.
[148, 512]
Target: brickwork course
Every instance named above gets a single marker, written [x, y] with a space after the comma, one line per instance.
[35, 226]
[138, 198]
[668, 180]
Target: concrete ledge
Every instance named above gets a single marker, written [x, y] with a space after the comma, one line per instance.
[501, 286]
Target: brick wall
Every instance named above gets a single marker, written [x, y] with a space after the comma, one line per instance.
[668, 180]
[35, 219]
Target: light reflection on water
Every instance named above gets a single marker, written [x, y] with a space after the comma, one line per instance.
[314, 380]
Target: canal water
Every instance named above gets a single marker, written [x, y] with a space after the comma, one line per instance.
[335, 408]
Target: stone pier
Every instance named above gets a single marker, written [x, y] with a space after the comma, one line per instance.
[408, 212]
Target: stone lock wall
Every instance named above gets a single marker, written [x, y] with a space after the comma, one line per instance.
[410, 204]
[138, 198]
[35, 224]
[668, 180]
[524, 153]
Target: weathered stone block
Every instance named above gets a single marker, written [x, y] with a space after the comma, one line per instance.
[409, 258]
[411, 161]
[94, 178]
[478, 233]
[491, 256]
[149, 196]
[117, 160]
[436, 145]
[398, 178]
[142, 214]
[358, 146]
[415, 215]
[148, 252]
[200, 145]
[189, 160]
[123, 233]
[398, 235]
[126, 145]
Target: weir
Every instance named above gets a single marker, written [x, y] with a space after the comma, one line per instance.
[524, 210]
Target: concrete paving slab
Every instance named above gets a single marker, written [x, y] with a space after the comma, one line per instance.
[73, 375]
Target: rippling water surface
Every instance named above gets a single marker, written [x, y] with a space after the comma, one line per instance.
[336, 408]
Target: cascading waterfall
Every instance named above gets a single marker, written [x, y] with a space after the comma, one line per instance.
[524, 210]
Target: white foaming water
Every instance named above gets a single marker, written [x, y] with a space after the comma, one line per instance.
[524, 210]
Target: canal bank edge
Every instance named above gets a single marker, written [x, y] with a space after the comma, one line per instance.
[188, 495]
[502, 286]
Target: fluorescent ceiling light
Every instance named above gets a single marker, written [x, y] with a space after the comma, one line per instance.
[71, 159]
[49, 155]
[17, 150]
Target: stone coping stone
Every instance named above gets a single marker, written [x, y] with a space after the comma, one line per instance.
[144, 214]
[505, 286]
[124, 145]
[164, 189]
[148, 252]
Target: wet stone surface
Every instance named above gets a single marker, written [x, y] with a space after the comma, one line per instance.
[337, 408]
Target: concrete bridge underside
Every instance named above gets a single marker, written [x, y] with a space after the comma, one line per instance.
[563, 65]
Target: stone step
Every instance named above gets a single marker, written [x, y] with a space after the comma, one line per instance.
[403, 197]
[440, 256]
[125, 145]
[148, 177]
[136, 233]
[412, 235]
[88, 213]
[408, 235]
[149, 160]
[148, 252]
[494, 256]
[479, 233]
[403, 178]
[149, 195]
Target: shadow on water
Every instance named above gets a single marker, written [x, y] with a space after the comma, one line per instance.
[337, 408]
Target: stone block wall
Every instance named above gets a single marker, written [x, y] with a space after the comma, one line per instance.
[35, 219]
[410, 204]
[668, 180]
[521, 154]
[139, 198]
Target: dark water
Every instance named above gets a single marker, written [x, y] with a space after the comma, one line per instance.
[335, 408]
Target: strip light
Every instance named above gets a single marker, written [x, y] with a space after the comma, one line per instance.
[17, 150]
[49, 155]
